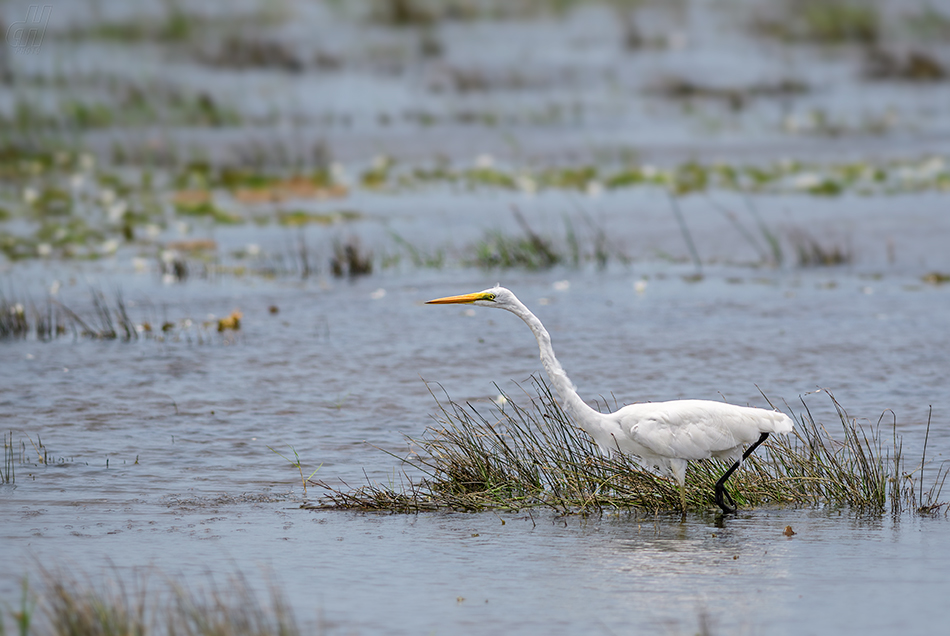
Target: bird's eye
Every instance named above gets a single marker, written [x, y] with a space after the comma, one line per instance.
[490, 297]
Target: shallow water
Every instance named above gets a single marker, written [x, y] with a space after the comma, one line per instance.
[331, 377]
[159, 452]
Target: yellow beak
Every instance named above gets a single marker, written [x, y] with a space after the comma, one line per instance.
[457, 300]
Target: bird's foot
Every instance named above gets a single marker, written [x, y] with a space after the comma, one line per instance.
[721, 496]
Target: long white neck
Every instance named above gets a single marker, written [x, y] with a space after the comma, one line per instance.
[584, 416]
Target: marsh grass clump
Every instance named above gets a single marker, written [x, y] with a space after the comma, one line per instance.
[497, 249]
[825, 22]
[63, 604]
[811, 253]
[509, 456]
[107, 319]
[350, 259]
[530, 250]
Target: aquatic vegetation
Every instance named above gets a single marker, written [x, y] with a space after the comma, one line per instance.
[928, 23]
[242, 52]
[824, 22]
[509, 456]
[8, 472]
[349, 259]
[829, 179]
[500, 250]
[297, 218]
[812, 253]
[105, 320]
[296, 463]
[936, 278]
[64, 604]
[735, 97]
[419, 257]
[176, 26]
[424, 13]
[132, 105]
[914, 66]
[65, 206]
[209, 210]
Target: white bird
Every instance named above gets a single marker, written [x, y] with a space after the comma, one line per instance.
[661, 434]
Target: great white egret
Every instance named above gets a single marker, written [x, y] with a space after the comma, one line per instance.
[662, 434]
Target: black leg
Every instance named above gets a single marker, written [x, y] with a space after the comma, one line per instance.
[721, 494]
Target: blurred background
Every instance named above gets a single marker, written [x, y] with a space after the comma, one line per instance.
[129, 125]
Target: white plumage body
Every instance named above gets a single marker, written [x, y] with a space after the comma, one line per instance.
[667, 434]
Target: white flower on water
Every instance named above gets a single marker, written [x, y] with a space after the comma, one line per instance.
[117, 210]
[87, 162]
[44, 249]
[109, 247]
[107, 197]
[648, 171]
[806, 181]
[792, 123]
[30, 195]
[380, 162]
[338, 172]
[526, 184]
[252, 249]
[594, 189]
[77, 181]
[933, 166]
[484, 161]
[153, 231]
[140, 264]
[17, 309]
[640, 286]
[501, 400]
[378, 294]
[168, 256]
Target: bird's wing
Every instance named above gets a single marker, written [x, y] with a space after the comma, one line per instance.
[696, 429]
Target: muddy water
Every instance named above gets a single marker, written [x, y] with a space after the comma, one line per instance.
[159, 453]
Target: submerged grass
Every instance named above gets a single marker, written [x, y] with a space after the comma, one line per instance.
[509, 456]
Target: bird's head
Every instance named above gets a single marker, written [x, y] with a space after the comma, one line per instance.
[497, 297]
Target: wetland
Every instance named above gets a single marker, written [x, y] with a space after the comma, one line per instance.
[218, 227]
